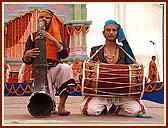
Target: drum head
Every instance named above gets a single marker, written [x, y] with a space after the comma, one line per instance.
[40, 105]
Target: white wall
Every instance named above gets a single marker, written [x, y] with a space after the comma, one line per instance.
[143, 23]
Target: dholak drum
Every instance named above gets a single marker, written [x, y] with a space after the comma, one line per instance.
[112, 80]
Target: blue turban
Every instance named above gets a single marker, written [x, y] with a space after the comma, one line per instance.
[121, 38]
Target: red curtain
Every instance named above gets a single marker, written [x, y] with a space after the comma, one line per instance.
[17, 32]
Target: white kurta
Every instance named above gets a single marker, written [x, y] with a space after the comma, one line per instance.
[58, 75]
[127, 106]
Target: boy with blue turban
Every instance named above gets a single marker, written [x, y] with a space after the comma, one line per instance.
[112, 53]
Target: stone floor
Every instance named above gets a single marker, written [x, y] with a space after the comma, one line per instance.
[15, 113]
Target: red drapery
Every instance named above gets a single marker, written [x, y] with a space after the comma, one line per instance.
[17, 32]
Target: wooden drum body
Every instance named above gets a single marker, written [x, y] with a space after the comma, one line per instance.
[112, 80]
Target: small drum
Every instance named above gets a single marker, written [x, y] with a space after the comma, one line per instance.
[112, 80]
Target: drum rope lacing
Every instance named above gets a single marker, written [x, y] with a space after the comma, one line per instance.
[112, 87]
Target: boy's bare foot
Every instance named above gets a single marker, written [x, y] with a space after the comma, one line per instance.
[63, 112]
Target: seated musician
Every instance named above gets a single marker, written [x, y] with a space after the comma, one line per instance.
[77, 69]
[112, 53]
[58, 74]
[6, 72]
